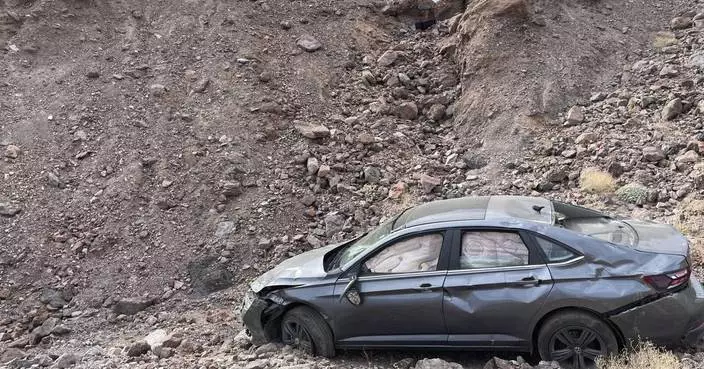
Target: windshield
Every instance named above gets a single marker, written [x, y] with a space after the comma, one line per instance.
[346, 253]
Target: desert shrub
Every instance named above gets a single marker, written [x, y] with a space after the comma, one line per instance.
[633, 193]
[593, 180]
[643, 356]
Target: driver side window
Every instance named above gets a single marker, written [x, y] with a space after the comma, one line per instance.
[413, 254]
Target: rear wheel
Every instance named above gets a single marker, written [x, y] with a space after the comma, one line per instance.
[576, 340]
[304, 329]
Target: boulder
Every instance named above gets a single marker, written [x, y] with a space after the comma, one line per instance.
[207, 275]
[436, 364]
[312, 131]
[672, 109]
[653, 154]
[429, 183]
[575, 115]
[131, 306]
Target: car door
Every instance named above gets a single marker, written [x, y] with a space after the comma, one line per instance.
[400, 286]
[496, 284]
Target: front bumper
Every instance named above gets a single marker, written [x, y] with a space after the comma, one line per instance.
[259, 317]
[674, 320]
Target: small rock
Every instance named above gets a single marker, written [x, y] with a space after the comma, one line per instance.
[429, 183]
[12, 151]
[131, 306]
[156, 338]
[653, 154]
[672, 109]
[157, 90]
[598, 96]
[189, 346]
[387, 58]
[407, 110]
[406, 363]
[372, 175]
[312, 131]
[474, 160]
[324, 171]
[366, 139]
[436, 112]
[163, 352]
[54, 180]
[201, 85]
[575, 115]
[66, 360]
[436, 364]
[230, 188]
[308, 200]
[586, 138]
[173, 341]
[312, 165]
[680, 23]
[668, 71]
[309, 43]
[686, 160]
[139, 348]
[397, 190]
[334, 222]
[368, 77]
[314, 241]
[225, 228]
[8, 210]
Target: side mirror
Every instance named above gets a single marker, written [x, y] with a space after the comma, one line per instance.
[351, 292]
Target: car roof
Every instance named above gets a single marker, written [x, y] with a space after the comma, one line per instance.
[536, 209]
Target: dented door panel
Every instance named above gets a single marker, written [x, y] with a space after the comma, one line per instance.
[494, 308]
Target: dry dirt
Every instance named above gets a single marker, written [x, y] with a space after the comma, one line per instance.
[151, 149]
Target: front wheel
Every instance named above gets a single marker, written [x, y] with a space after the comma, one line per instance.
[576, 340]
[304, 329]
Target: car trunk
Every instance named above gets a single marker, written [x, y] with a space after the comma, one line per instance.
[659, 238]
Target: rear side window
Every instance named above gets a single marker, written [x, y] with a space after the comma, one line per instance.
[489, 249]
[554, 253]
[414, 254]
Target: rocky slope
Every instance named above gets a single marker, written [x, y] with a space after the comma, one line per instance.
[158, 155]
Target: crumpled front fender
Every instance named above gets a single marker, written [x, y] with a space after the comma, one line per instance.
[260, 319]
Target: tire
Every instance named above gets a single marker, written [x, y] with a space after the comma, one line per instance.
[304, 329]
[575, 339]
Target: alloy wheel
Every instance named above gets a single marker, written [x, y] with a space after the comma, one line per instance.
[295, 335]
[577, 347]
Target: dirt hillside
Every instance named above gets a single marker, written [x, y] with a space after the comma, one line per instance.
[158, 155]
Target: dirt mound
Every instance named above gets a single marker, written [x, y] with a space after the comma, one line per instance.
[523, 61]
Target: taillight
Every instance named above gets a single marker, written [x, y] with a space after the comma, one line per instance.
[668, 280]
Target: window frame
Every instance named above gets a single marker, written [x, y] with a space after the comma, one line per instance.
[535, 256]
[443, 258]
[577, 255]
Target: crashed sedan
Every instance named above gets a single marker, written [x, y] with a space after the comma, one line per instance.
[487, 273]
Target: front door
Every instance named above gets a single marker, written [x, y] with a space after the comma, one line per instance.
[496, 285]
[401, 296]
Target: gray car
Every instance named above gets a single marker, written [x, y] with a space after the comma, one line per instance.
[487, 273]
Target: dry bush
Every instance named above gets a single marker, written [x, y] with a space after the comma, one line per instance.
[644, 355]
[593, 180]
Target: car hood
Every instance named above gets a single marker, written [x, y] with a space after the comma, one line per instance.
[297, 270]
[660, 238]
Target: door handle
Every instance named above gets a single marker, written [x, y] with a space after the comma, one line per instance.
[425, 287]
[529, 281]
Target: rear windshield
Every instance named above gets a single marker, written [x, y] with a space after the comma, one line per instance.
[594, 224]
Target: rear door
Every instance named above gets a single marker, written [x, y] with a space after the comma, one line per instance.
[496, 284]
[401, 295]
